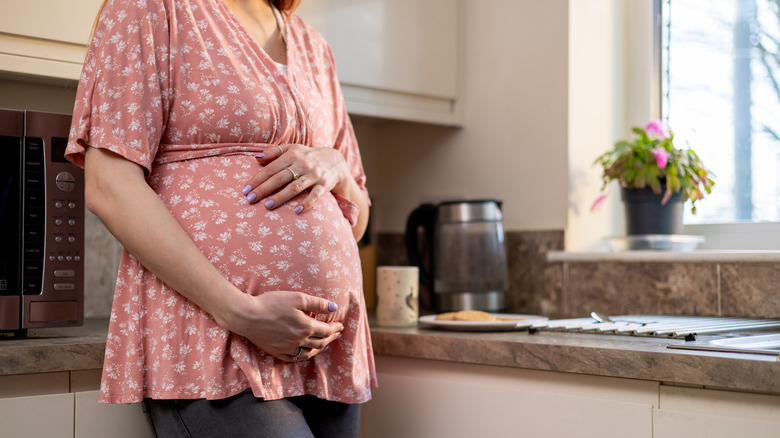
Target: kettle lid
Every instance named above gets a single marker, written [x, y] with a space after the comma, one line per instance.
[477, 210]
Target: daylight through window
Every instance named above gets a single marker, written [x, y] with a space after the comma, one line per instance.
[721, 96]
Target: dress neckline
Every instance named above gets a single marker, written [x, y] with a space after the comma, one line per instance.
[282, 30]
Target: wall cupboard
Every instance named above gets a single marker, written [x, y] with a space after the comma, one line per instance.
[397, 59]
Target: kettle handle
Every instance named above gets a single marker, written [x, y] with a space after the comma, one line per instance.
[423, 216]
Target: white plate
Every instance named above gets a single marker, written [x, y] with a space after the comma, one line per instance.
[522, 321]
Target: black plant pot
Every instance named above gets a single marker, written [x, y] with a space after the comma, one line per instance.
[645, 214]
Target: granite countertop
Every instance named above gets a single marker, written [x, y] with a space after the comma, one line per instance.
[55, 349]
[602, 355]
[81, 348]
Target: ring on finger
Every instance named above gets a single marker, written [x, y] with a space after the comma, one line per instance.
[280, 148]
[298, 356]
[295, 175]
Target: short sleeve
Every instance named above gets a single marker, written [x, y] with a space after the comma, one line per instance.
[123, 94]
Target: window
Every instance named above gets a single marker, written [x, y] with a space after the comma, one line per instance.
[720, 87]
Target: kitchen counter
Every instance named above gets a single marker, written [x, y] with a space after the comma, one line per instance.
[592, 354]
[81, 348]
[55, 349]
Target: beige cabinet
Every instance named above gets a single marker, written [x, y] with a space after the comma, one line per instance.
[423, 398]
[45, 38]
[398, 59]
[65, 404]
[95, 420]
[48, 416]
[696, 412]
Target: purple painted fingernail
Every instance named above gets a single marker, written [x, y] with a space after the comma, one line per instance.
[247, 189]
[339, 337]
[269, 203]
[332, 307]
[298, 209]
[260, 155]
[251, 198]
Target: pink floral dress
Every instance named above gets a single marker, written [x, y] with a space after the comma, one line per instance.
[180, 88]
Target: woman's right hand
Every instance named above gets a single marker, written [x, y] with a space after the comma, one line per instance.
[281, 323]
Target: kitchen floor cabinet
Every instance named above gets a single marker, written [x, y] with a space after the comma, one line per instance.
[95, 420]
[398, 59]
[697, 412]
[424, 398]
[45, 38]
[48, 416]
[65, 404]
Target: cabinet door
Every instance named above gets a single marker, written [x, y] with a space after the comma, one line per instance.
[45, 38]
[687, 412]
[396, 58]
[67, 21]
[48, 416]
[433, 399]
[95, 420]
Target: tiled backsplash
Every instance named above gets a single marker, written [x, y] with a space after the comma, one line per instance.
[574, 288]
[101, 259]
[558, 289]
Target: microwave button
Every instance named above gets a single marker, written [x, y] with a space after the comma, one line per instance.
[58, 204]
[58, 222]
[64, 273]
[71, 239]
[77, 258]
[71, 222]
[71, 205]
[69, 258]
[58, 239]
[64, 286]
[65, 181]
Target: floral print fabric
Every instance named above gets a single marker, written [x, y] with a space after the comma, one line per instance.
[180, 88]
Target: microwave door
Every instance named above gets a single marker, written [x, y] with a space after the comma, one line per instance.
[11, 144]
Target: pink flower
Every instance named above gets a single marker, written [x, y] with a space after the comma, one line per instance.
[661, 157]
[598, 202]
[658, 129]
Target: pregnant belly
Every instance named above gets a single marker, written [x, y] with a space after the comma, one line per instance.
[256, 249]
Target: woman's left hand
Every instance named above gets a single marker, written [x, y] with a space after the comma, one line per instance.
[293, 168]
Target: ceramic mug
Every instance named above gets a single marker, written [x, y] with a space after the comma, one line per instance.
[397, 290]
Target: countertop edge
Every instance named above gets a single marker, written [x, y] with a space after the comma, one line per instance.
[83, 348]
[589, 354]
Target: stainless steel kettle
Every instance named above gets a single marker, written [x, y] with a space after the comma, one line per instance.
[462, 257]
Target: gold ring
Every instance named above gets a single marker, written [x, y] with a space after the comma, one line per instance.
[280, 148]
[300, 353]
[295, 175]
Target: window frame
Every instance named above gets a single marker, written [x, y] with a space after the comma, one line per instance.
[722, 236]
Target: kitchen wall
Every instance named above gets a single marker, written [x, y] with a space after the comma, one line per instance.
[545, 91]
[513, 145]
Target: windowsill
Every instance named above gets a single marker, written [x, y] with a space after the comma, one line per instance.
[703, 256]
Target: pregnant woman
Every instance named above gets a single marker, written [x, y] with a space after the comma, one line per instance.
[218, 150]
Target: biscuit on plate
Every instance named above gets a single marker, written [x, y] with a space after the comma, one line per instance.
[473, 315]
[449, 316]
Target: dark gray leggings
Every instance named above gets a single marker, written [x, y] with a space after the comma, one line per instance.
[243, 415]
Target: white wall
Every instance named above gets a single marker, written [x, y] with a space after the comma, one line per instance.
[597, 115]
[514, 143]
[549, 85]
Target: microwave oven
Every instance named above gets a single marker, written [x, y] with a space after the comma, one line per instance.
[41, 224]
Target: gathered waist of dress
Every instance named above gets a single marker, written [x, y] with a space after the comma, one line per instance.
[172, 153]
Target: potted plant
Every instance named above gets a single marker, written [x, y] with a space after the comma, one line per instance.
[656, 178]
